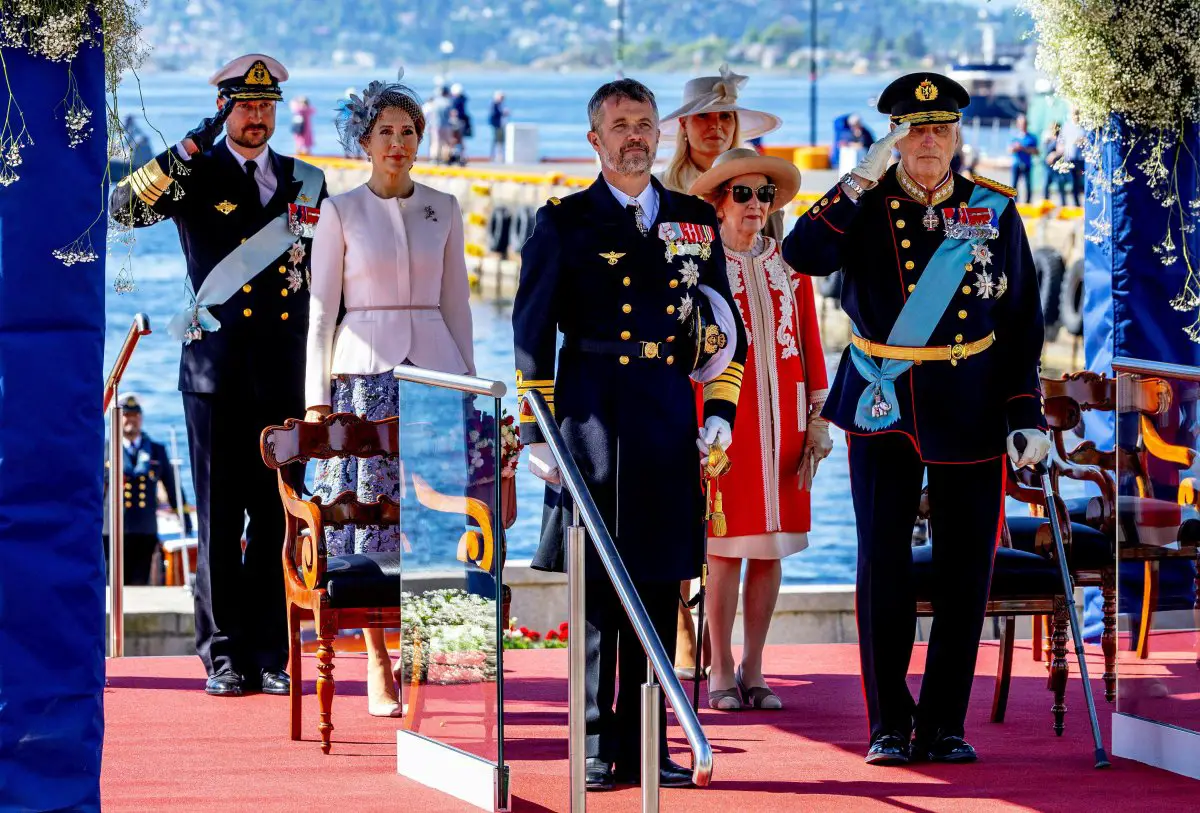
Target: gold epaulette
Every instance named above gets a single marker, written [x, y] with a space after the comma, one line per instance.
[544, 386]
[555, 201]
[727, 385]
[995, 186]
[148, 182]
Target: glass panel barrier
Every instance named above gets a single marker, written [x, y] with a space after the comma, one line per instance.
[1158, 540]
[451, 521]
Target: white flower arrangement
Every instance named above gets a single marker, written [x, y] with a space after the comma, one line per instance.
[1140, 60]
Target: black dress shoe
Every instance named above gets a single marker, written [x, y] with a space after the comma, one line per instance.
[944, 748]
[670, 775]
[599, 774]
[275, 682]
[225, 683]
[888, 749]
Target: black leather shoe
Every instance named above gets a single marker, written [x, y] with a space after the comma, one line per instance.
[944, 748]
[599, 774]
[275, 682]
[225, 683]
[670, 775]
[888, 749]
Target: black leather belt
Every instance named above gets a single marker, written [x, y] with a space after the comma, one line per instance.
[624, 349]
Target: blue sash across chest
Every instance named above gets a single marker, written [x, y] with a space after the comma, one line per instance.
[916, 322]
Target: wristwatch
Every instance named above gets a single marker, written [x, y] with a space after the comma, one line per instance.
[848, 180]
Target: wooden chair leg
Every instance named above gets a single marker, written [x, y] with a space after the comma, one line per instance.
[1058, 665]
[325, 684]
[1149, 603]
[1003, 669]
[296, 694]
[1037, 637]
[1108, 640]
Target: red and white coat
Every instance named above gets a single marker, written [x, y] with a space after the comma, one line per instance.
[784, 383]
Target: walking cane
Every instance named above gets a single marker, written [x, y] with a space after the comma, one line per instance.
[716, 465]
[1019, 443]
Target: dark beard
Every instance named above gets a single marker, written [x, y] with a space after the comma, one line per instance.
[242, 142]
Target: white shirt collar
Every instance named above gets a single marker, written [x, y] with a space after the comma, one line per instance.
[648, 199]
[132, 444]
[263, 161]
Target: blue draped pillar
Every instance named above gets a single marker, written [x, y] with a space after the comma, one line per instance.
[52, 622]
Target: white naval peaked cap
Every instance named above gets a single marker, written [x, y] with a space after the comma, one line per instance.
[251, 76]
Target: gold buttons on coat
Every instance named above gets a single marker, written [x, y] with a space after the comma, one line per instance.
[906, 243]
[966, 290]
[958, 338]
[625, 334]
[968, 267]
[962, 314]
[670, 359]
[246, 288]
[283, 316]
[283, 292]
[244, 239]
[624, 359]
[824, 201]
[128, 504]
[910, 265]
[895, 204]
[670, 309]
[283, 269]
[673, 283]
[627, 308]
[626, 282]
[912, 288]
[246, 312]
[670, 338]
[141, 505]
[899, 224]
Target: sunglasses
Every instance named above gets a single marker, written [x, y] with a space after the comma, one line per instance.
[742, 194]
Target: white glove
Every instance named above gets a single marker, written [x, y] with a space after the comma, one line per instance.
[817, 446]
[1037, 446]
[716, 430]
[875, 162]
[542, 464]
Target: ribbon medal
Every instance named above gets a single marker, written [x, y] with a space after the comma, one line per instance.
[971, 223]
[302, 220]
[686, 238]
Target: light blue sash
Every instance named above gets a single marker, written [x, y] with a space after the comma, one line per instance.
[243, 263]
[916, 322]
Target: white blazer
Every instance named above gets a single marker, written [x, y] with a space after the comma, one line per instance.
[399, 265]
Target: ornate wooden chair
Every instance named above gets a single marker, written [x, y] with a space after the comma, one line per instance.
[353, 591]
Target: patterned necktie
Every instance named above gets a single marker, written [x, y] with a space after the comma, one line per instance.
[252, 184]
[639, 216]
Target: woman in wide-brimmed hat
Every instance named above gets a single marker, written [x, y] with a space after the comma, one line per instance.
[710, 121]
[781, 436]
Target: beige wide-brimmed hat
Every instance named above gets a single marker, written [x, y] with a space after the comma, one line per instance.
[745, 161]
[718, 94]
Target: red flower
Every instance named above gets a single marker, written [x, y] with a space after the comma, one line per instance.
[525, 631]
[563, 628]
[534, 636]
[551, 636]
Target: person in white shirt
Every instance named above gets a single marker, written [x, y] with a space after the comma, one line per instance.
[392, 252]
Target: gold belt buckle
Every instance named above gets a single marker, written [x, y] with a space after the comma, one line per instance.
[650, 350]
[958, 352]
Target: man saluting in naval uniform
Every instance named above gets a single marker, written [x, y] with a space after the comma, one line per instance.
[634, 277]
[941, 377]
[245, 216]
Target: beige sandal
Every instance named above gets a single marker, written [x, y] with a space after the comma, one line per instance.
[724, 700]
[757, 697]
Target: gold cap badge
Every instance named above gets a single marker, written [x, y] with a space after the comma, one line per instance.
[927, 91]
[258, 74]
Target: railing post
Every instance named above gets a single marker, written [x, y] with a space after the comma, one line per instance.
[577, 658]
[116, 532]
[651, 711]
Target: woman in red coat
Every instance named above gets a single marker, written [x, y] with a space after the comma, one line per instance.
[780, 436]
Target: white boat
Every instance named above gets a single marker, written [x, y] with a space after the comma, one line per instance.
[1000, 87]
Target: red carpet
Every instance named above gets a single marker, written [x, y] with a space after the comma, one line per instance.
[168, 746]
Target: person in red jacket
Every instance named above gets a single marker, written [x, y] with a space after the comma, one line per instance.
[781, 434]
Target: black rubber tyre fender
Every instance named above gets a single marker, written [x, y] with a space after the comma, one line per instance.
[520, 228]
[1050, 271]
[498, 227]
[1071, 299]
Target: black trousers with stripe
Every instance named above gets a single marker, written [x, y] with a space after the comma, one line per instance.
[966, 507]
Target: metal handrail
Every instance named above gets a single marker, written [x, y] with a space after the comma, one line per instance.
[116, 488]
[139, 328]
[462, 383]
[1123, 364]
[660, 662]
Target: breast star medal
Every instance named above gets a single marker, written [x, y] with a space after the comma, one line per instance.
[981, 254]
[296, 253]
[985, 286]
[930, 221]
[690, 273]
[612, 256]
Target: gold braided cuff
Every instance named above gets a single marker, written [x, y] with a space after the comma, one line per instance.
[149, 182]
[727, 386]
[545, 386]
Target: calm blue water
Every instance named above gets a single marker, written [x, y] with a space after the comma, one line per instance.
[556, 103]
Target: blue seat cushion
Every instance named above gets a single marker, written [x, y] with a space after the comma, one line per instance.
[1089, 548]
[363, 580]
[1015, 574]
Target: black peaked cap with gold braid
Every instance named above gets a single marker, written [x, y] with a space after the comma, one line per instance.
[924, 98]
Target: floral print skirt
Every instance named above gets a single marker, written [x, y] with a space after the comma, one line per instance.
[373, 397]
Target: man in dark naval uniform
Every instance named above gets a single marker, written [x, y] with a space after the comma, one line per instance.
[941, 376]
[622, 270]
[145, 466]
[245, 216]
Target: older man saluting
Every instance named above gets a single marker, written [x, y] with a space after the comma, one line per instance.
[941, 376]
